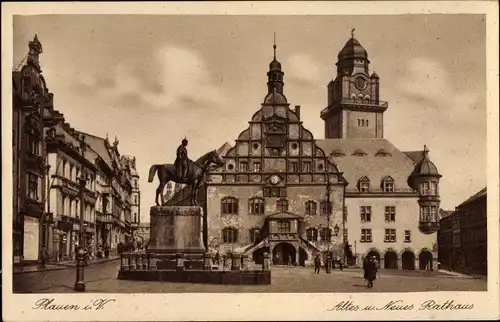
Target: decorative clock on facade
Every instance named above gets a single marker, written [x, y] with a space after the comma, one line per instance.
[360, 83]
[275, 179]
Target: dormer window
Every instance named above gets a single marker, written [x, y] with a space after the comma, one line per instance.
[364, 184]
[359, 152]
[388, 184]
[382, 153]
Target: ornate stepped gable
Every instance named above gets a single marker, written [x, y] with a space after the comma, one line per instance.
[275, 146]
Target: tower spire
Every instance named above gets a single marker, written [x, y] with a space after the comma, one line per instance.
[274, 46]
[352, 32]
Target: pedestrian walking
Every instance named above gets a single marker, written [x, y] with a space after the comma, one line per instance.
[217, 258]
[370, 271]
[106, 250]
[317, 264]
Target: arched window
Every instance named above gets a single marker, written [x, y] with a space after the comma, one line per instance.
[388, 184]
[256, 206]
[282, 205]
[312, 234]
[229, 235]
[229, 206]
[325, 234]
[364, 184]
[326, 207]
[311, 207]
[254, 235]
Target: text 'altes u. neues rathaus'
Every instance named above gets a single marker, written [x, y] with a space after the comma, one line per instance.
[352, 194]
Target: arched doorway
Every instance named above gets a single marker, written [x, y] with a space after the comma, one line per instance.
[258, 255]
[283, 254]
[302, 257]
[391, 260]
[425, 260]
[408, 260]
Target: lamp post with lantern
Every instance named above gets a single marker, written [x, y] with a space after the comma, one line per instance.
[81, 252]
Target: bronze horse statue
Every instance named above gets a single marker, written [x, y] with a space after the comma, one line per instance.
[194, 177]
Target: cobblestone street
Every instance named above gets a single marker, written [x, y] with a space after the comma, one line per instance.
[101, 278]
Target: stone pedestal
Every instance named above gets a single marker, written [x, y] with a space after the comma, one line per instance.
[176, 230]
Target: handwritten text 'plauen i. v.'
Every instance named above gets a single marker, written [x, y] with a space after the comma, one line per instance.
[400, 305]
[49, 304]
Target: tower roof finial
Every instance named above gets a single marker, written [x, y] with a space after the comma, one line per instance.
[352, 32]
[274, 46]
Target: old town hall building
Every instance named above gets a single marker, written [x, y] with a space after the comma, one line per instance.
[352, 194]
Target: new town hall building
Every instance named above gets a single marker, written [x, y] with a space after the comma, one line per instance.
[352, 194]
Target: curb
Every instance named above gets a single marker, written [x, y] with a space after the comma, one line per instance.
[40, 270]
[69, 265]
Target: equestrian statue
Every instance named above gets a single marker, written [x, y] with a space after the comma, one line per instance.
[184, 171]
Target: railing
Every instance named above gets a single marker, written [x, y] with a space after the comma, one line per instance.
[360, 102]
[144, 261]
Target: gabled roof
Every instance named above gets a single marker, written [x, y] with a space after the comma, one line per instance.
[480, 194]
[395, 164]
[99, 146]
[416, 156]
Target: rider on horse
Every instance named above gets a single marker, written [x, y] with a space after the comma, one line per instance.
[181, 162]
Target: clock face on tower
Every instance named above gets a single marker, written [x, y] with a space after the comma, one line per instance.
[360, 83]
[275, 179]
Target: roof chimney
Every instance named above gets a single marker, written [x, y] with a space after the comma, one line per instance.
[297, 111]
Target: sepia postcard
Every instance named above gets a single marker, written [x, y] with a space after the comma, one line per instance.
[250, 161]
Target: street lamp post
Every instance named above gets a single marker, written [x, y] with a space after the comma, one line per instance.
[329, 234]
[81, 251]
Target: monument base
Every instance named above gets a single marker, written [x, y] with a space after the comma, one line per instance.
[177, 232]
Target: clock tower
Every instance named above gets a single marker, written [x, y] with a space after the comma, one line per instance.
[354, 109]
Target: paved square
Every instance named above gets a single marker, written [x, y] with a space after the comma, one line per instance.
[101, 278]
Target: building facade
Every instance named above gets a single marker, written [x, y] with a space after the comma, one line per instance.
[143, 233]
[392, 197]
[30, 97]
[49, 157]
[463, 237]
[272, 194]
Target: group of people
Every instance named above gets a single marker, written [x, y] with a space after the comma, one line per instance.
[329, 262]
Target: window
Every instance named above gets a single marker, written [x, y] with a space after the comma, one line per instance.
[33, 144]
[64, 205]
[229, 235]
[256, 167]
[254, 235]
[388, 184]
[364, 184]
[64, 168]
[135, 217]
[390, 214]
[407, 236]
[362, 122]
[33, 186]
[390, 236]
[325, 207]
[229, 206]
[135, 200]
[310, 207]
[243, 166]
[76, 208]
[424, 214]
[274, 192]
[282, 205]
[294, 166]
[77, 173]
[366, 236]
[256, 206]
[312, 234]
[433, 214]
[306, 166]
[283, 226]
[71, 172]
[424, 188]
[433, 188]
[325, 234]
[366, 213]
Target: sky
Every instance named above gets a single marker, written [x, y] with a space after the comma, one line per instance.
[153, 80]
